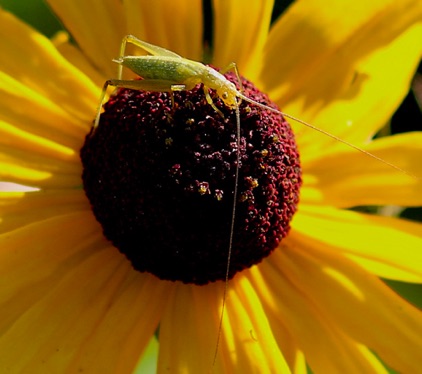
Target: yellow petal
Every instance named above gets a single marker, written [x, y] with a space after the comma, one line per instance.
[240, 33]
[384, 79]
[21, 107]
[189, 330]
[34, 145]
[388, 247]
[326, 348]
[357, 302]
[344, 74]
[36, 150]
[38, 171]
[246, 342]
[247, 334]
[287, 343]
[135, 309]
[50, 244]
[10, 187]
[175, 25]
[74, 55]
[10, 172]
[19, 209]
[350, 178]
[76, 297]
[32, 59]
[97, 26]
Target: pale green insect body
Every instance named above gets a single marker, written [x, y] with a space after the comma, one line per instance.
[163, 68]
[188, 73]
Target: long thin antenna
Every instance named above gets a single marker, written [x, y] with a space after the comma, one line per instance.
[329, 135]
[229, 255]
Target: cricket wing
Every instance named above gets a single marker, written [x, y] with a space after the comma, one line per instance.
[151, 48]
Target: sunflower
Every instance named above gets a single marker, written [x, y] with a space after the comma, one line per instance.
[71, 302]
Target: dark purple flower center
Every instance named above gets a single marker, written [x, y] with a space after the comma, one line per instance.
[161, 179]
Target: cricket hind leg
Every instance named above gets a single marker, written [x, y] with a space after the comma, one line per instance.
[147, 47]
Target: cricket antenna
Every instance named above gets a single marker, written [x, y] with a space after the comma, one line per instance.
[369, 154]
[229, 254]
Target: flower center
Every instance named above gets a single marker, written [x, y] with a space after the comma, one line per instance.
[161, 178]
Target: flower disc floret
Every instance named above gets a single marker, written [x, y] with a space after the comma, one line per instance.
[160, 177]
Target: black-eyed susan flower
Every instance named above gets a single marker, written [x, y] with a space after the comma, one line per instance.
[71, 301]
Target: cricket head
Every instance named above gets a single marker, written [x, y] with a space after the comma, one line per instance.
[225, 89]
[228, 93]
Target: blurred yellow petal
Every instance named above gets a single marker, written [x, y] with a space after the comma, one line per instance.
[326, 348]
[388, 247]
[42, 278]
[21, 106]
[191, 320]
[240, 34]
[74, 55]
[175, 25]
[19, 209]
[381, 83]
[34, 145]
[10, 172]
[287, 343]
[37, 171]
[356, 301]
[246, 343]
[343, 74]
[247, 334]
[32, 261]
[130, 319]
[350, 178]
[97, 26]
[33, 60]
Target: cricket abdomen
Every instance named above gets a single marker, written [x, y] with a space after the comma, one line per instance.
[176, 70]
